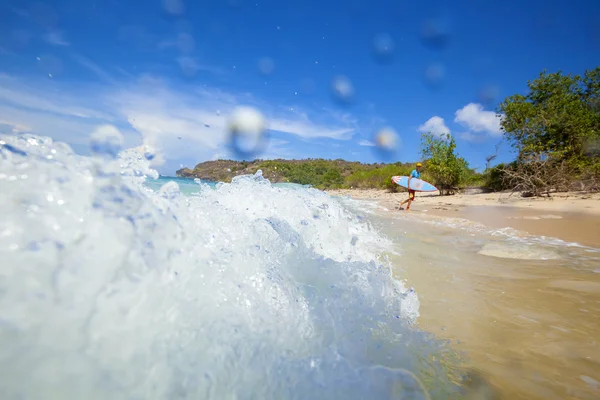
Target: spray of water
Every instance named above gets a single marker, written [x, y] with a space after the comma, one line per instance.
[110, 289]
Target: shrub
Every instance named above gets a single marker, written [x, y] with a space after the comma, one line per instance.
[446, 169]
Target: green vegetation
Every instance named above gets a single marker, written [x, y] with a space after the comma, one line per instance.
[320, 173]
[378, 178]
[555, 131]
[446, 169]
[558, 118]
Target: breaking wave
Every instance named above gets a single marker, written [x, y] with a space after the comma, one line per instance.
[113, 289]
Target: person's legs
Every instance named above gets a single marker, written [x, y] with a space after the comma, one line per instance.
[405, 201]
[410, 193]
[411, 197]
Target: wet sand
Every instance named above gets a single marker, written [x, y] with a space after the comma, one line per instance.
[572, 217]
[577, 227]
[528, 328]
[522, 310]
[588, 203]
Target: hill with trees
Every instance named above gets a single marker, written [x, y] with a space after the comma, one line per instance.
[320, 173]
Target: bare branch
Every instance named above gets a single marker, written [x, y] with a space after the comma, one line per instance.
[538, 176]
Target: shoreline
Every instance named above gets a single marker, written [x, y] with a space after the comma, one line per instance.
[571, 217]
[574, 202]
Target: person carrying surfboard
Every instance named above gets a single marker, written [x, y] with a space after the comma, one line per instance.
[416, 173]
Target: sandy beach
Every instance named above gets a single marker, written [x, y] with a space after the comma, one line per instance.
[516, 303]
[572, 217]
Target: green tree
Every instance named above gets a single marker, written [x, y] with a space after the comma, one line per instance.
[332, 178]
[446, 170]
[557, 119]
[555, 129]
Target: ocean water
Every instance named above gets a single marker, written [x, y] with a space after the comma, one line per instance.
[116, 283]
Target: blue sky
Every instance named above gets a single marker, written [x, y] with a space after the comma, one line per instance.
[168, 74]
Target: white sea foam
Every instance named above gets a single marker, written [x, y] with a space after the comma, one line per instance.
[503, 242]
[109, 289]
[509, 237]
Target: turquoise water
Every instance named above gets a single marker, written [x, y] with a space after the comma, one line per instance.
[189, 186]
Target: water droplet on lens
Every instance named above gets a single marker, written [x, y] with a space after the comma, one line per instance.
[189, 67]
[488, 95]
[174, 6]
[386, 138]
[435, 75]
[186, 42]
[247, 131]
[387, 142]
[434, 35]
[383, 46]
[149, 155]
[343, 91]
[266, 66]
[106, 141]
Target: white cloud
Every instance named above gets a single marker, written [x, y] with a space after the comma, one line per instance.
[56, 38]
[275, 150]
[308, 129]
[181, 123]
[15, 127]
[184, 42]
[72, 130]
[324, 124]
[189, 66]
[42, 97]
[89, 64]
[476, 119]
[435, 125]
[366, 143]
